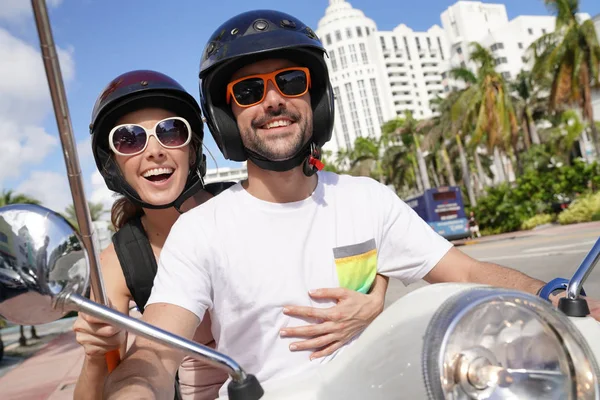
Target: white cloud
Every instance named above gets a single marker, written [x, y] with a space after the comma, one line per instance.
[51, 188]
[17, 9]
[25, 104]
[100, 193]
[84, 151]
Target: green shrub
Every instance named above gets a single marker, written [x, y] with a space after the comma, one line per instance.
[537, 220]
[581, 210]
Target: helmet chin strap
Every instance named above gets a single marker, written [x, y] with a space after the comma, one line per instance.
[177, 203]
[309, 157]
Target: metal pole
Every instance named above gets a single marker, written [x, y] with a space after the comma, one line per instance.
[65, 130]
[63, 120]
[587, 265]
[155, 334]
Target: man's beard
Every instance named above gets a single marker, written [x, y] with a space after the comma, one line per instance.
[278, 148]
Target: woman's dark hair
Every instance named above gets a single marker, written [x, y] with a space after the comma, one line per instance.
[124, 210]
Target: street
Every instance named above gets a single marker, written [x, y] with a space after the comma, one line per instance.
[546, 254]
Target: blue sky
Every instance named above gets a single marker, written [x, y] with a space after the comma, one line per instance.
[103, 38]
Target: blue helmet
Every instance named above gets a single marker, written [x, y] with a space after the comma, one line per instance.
[250, 37]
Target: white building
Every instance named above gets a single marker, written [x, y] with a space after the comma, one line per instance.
[488, 24]
[377, 76]
[226, 174]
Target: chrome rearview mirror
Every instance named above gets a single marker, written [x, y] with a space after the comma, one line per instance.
[44, 274]
[41, 258]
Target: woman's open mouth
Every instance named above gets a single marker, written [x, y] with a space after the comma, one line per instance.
[158, 175]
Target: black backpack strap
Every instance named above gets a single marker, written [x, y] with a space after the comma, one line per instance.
[137, 260]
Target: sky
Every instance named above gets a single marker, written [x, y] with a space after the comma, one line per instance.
[100, 39]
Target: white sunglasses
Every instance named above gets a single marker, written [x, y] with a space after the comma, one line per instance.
[132, 139]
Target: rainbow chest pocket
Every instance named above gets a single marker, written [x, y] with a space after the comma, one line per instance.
[356, 265]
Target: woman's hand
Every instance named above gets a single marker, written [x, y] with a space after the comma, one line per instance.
[97, 337]
[353, 312]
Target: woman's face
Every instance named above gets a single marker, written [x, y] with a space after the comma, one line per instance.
[158, 174]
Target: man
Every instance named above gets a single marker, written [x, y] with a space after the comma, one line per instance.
[288, 228]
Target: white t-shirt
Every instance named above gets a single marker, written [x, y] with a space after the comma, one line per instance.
[244, 259]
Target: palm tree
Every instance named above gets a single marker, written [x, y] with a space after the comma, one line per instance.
[96, 212]
[366, 157]
[528, 100]
[485, 107]
[10, 197]
[570, 56]
[409, 131]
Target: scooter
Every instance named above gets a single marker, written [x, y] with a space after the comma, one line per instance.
[444, 341]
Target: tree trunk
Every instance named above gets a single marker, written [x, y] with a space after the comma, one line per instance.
[499, 165]
[422, 165]
[448, 166]
[465, 172]
[436, 179]
[533, 133]
[34, 334]
[417, 178]
[595, 138]
[22, 338]
[480, 173]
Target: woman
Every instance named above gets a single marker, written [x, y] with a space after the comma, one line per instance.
[147, 134]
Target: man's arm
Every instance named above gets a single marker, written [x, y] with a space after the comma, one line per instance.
[148, 370]
[456, 266]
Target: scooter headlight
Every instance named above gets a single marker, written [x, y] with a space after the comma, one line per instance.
[487, 343]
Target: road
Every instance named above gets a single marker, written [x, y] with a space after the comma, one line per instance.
[547, 254]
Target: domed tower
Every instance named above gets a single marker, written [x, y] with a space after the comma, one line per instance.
[362, 96]
[379, 75]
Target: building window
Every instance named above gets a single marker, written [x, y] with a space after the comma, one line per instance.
[530, 31]
[395, 42]
[375, 93]
[406, 47]
[358, 31]
[543, 31]
[459, 50]
[418, 44]
[506, 75]
[363, 53]
[343, 57]
[441, 48]
[353, 112]
[328, 39]
[520, 45]
[428, 43]
[3, 237]
[353, 57]
[333, 61]
[367, 30]
[365, 105]
[340, 106]
[349, 33]
[382, 41]
[338, 36]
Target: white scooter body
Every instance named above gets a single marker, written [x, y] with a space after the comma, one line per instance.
[386, 361]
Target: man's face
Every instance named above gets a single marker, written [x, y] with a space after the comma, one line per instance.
[279, 126]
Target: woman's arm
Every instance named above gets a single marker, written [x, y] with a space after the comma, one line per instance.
[97, 337]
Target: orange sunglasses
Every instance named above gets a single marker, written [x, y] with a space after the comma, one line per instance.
[251, 90]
